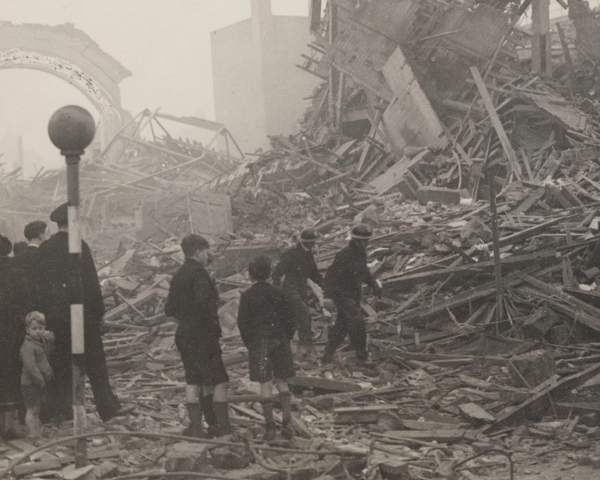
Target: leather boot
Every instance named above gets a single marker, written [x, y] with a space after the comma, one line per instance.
[267, 407]
[195, 413]
[209, 415]
[328, 356]
[285, 399]
[221, 410]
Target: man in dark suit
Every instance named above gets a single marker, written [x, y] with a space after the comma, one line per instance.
[26, 261]
[56, 288]
[343, 284]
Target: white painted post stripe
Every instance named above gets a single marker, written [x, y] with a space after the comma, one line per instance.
[77, 342]
[74, 235]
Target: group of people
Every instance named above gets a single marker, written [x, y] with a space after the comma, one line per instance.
[36, 289]
[38, 285]
[268, 317]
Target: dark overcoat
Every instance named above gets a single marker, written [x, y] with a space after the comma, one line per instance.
[12, 333]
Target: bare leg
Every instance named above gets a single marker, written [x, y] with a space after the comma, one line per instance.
[285, 397]
[192, 403]
[266, 391]
[32, 423]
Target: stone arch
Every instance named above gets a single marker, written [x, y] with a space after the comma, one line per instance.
[73, 56]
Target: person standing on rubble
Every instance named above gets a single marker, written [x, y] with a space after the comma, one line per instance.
[297, 265]
[12, 328]
[35, 233]
[53, 287]
[266, 323]
[193, 301]
[343, 284]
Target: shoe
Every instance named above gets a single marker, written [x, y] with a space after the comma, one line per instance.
[327, 358]
[105, 416]
[10, 434]
[222, 414]
[270, 432]
[287, 430]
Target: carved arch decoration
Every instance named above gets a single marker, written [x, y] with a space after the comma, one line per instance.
[71, 55]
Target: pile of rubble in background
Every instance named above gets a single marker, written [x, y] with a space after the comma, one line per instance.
[424, 108]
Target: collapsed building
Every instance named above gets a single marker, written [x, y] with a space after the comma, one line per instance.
[478, 170]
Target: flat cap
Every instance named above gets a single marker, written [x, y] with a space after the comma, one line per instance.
[60, 215]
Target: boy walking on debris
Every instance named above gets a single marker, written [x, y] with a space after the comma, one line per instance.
[297, 265]
[266, 324]
[194, 302]
[343, 284]
[36, 372]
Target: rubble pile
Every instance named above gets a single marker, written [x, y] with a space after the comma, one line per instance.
[482, 185]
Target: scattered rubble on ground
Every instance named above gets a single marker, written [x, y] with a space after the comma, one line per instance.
[461, 385]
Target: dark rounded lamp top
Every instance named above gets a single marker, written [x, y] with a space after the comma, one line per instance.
[71, 128]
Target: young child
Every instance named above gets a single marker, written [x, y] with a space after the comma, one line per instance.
[266, 323]
[36, 370]
[194, 302]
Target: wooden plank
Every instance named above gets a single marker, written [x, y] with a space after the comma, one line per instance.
[394, 175]
[530, 201]
[422, 314]
[468, 270]
[316, 383]
[555, 391]
[441, 436]
[135, 301]
[592, 319]
[497, 124]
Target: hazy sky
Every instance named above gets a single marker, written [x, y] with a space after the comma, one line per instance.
[164, 43]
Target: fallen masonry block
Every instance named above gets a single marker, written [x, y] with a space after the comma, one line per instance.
[530, 369]
[322, 385]
[475, 414]
[72, 473]
[394, 469]
[32, 467]
[229, 459]
[186, 457]
[440, 195]
[107, 469]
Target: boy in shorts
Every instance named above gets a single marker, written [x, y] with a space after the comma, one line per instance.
[194, 302]
[36, 372]
[266, 323]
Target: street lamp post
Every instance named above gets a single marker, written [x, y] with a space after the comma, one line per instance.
[71, 129]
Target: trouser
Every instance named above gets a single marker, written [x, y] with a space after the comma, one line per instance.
[60, 388]
[350, 321]
[302, 317]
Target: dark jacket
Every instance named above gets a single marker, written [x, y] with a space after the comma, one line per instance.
[56, 287]
[27, 262]
[265, 312]
[12, 332]
[297, 265]
[194, 301]
[348, 272]
[34, 356]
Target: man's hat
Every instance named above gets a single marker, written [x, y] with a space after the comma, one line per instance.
[308, 235]
[5, 246]
[60, 215]
[361, 232]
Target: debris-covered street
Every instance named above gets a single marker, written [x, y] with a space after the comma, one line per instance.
[461, 144]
